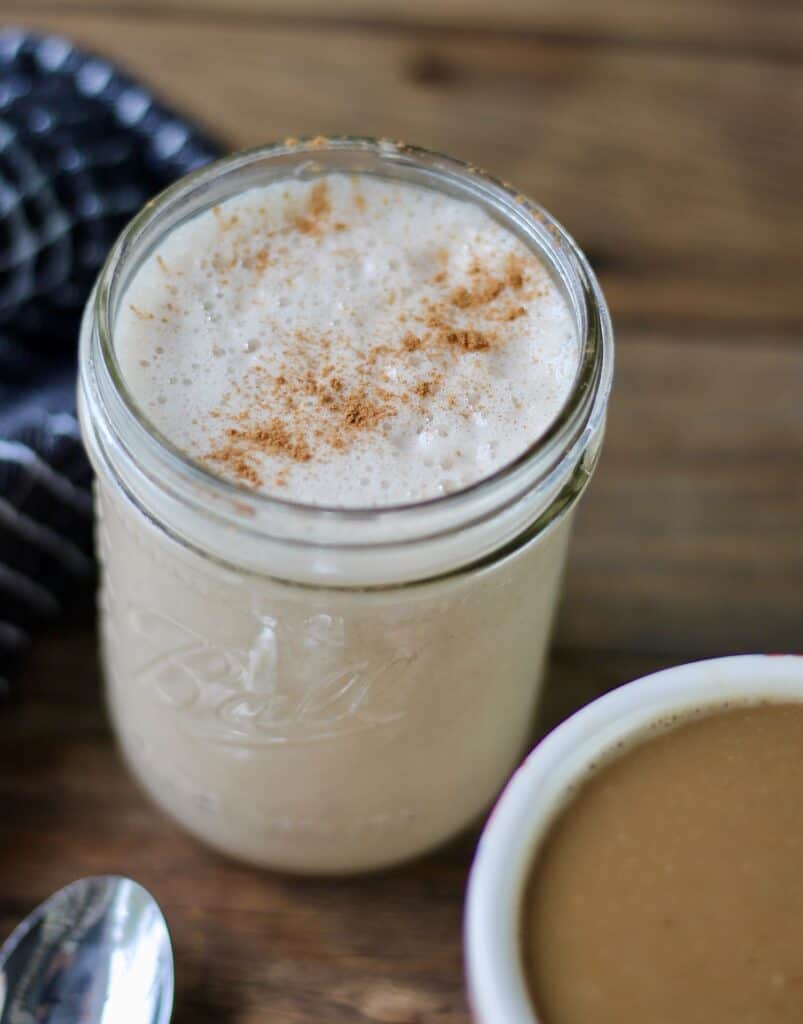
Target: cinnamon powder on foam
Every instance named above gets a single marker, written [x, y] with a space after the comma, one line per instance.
[300, 409]
[300, 433]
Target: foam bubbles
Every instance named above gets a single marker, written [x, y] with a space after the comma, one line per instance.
[244, 290]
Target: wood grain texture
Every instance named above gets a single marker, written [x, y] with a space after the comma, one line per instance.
[666, 137]
[773, 29]
[690, 539]
[677, 173]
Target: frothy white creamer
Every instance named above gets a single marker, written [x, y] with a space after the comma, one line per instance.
[348, 341]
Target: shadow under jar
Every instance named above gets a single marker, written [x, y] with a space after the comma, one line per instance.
[325, 689]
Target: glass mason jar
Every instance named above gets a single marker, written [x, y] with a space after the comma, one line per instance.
[324, 689]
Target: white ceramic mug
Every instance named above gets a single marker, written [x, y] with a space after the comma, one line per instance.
[497, 984]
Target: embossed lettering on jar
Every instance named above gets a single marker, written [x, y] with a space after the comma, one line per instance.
[328, 689]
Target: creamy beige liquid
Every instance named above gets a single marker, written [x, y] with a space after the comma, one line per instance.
[670, 891]
[350, 342]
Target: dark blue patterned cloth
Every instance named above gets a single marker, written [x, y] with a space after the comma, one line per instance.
[82, 147]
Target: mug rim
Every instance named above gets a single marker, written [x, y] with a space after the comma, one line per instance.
[533, 797]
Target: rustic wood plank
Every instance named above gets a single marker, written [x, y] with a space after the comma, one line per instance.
[689, 540]
[675, 171]
[251, 948]
[774, 28]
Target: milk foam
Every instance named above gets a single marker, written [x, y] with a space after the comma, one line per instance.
[353, 341]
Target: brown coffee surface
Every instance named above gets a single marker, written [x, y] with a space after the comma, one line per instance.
[670, 890]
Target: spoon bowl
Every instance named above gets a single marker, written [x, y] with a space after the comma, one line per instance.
[96, 952]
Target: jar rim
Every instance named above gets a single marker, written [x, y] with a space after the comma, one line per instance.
[192, 483]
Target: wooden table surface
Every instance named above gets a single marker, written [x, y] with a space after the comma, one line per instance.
[667, 138]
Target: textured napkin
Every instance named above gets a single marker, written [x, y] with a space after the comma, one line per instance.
[82, 147]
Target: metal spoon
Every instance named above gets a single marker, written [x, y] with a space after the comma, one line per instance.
[96, 952]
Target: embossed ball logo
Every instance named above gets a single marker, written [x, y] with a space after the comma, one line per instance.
[295, 681]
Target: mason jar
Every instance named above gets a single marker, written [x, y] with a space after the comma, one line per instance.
[323, 689]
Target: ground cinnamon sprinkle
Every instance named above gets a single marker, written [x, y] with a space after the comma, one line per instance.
[271, 438]
[318, 209]
[373, 355]
[468, 340]
[314, 393]
[486, 287]
[319, 205]
[306, 226]
[462, 298]
[514, 313]
[225, 224]
[478, 296]
[260, 260]
[140, 312]
[236, 462]
[360, 412]
[514, 272]
[274, 439]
